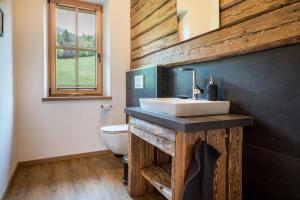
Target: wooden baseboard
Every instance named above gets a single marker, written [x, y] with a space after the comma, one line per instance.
[10, 181]
[66, 157]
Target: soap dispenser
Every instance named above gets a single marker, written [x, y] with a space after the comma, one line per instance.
[212, 90]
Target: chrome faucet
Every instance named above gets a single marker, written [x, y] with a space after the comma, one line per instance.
[195, 88]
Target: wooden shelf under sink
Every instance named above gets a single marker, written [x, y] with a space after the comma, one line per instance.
[160, 179]
[167, 167]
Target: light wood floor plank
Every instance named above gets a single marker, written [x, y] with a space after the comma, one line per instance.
[89, 178]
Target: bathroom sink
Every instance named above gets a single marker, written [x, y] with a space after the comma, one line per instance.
[184, 107]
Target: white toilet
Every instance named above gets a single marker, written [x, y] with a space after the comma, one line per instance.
[115, 137]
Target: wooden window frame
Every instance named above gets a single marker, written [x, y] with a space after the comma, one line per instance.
[77, 91]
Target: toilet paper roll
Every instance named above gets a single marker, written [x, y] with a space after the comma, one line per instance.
[106, 107]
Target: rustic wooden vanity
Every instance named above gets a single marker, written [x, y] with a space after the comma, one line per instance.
[161, 148]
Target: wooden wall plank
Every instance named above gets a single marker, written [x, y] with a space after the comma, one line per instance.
[145, 8]
[164, 29]
[234, 181]
[133, 3]
[138, 6]
[156, 18]
[217, 139]
[155, 46]
[280, 27]
[250, 9]
[224, 4]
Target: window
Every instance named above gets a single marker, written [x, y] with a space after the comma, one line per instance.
[75, 48]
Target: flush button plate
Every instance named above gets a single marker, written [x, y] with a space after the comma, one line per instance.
[139, 81]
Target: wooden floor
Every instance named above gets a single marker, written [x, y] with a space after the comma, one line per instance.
[89, 178]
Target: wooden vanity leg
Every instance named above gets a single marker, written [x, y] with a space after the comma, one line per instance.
[184, 150]
[234, 182]
[217, 139]
[140, 155]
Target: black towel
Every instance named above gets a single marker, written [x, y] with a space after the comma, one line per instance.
[199, 181]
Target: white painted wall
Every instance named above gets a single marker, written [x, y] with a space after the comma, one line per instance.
[7, 147]
[63, 128]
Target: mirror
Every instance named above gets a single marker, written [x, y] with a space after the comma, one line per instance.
[197, 17]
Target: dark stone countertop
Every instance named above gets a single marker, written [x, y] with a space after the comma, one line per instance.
[191, 124]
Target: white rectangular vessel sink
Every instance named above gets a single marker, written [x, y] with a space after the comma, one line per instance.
[184, 107]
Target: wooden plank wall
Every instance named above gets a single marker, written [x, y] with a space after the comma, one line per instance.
[246, 26]
[153, 26]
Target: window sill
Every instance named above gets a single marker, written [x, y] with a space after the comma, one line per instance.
[76, 98]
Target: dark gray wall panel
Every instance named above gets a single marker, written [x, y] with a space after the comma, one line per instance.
[265, 85]
[269, 175]
[154, 85]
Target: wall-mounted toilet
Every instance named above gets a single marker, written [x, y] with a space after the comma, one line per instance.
[115, 137]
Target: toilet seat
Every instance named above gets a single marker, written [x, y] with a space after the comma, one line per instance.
[115, 129]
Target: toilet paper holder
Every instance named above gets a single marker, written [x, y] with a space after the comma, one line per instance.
[106, 107]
